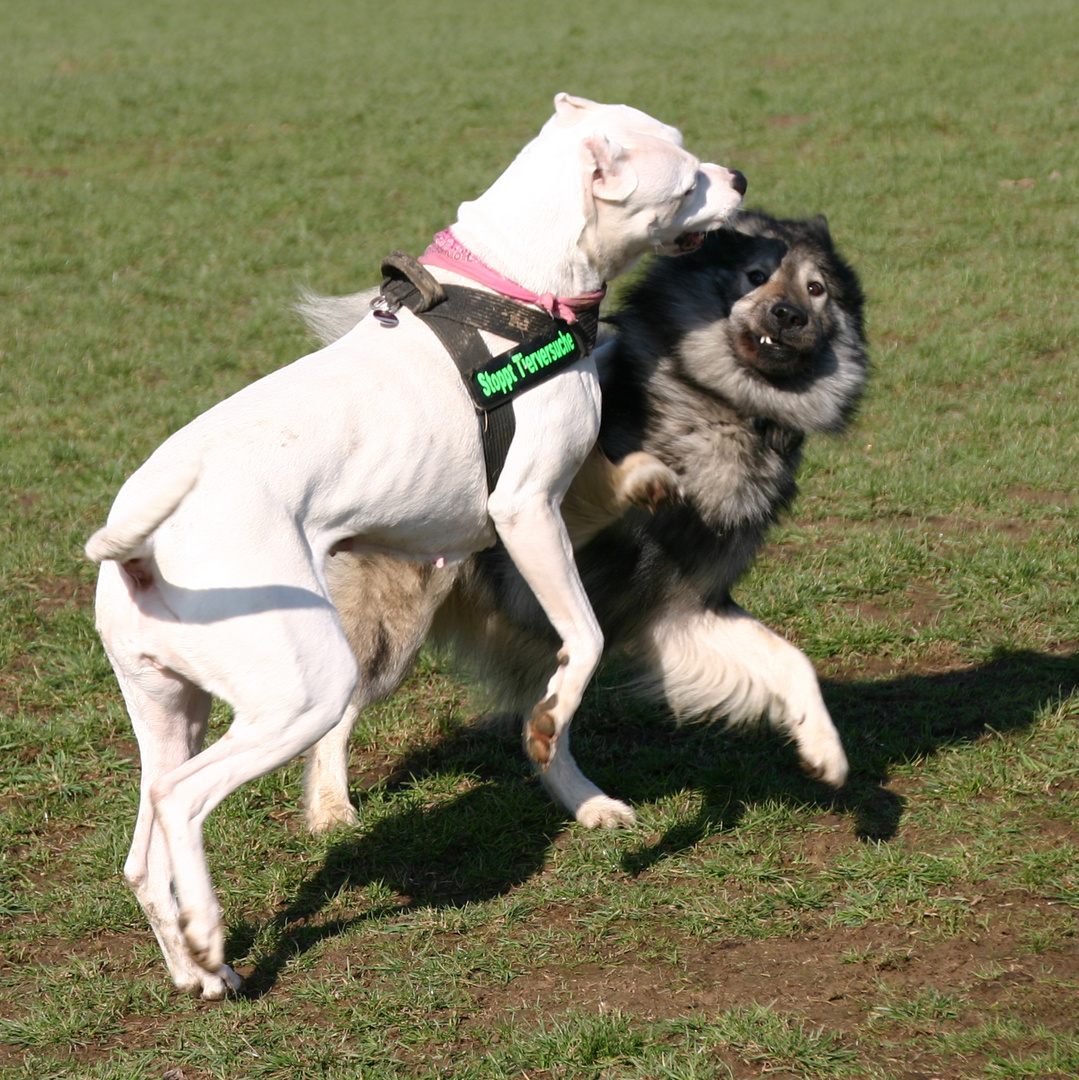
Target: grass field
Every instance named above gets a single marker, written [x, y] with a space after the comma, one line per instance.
[172, 175]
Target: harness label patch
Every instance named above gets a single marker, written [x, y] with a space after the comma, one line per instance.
[508, 374]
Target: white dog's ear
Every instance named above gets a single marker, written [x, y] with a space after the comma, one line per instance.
[569, 109]
[608, 171]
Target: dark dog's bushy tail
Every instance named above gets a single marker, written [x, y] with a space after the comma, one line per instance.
[331, 317]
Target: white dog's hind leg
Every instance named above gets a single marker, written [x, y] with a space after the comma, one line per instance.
[325, 777]
[165, 744]
[385, 606]
[295, 693]
[727, 663]
[182, 800]
[168, 716]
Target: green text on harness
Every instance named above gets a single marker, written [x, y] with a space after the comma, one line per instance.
[531, 362]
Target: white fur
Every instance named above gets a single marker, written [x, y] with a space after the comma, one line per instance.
[726, 663]
[371, 442]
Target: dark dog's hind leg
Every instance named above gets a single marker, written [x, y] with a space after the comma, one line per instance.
[726, 663]
[385, 606]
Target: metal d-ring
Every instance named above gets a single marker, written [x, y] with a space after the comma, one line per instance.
[384, 310]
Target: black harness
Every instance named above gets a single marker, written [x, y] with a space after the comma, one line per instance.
[457, 314]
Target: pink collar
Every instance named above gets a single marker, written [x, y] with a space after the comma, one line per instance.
[449, 253]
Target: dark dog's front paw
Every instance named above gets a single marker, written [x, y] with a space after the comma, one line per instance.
[647, 483]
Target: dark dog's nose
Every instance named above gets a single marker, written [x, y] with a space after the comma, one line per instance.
[788, 316]
[739, 181]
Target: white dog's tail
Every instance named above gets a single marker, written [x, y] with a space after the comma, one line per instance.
[331, 317]
[122, 539]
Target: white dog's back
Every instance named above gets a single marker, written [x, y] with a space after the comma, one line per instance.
[357, 415]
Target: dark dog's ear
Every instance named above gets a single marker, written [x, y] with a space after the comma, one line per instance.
[819, 225]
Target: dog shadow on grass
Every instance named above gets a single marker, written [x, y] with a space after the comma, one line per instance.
[438, 852]
[498, 832]
[883, 724]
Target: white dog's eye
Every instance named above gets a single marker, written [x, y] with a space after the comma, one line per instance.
[689, 190]
[815, 288]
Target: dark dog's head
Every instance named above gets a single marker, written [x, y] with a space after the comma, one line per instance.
[792, 283]
[766, 316]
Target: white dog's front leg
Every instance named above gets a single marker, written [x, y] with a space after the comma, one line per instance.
[546, 733]
[557, 424]
[539, 545]
[569, 787]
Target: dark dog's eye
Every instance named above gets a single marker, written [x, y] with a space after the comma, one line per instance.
[756, 277]
[815, 288]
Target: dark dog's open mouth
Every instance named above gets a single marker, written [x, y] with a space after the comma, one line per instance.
[771, 357]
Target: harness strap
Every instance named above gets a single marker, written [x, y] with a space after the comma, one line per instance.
[499, 427]
[405, 281]
[456, 314]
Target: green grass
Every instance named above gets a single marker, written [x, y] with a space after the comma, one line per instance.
[169, 178]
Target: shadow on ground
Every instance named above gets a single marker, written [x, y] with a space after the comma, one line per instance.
[498, 833]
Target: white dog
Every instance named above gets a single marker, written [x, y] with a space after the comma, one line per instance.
[212, 579]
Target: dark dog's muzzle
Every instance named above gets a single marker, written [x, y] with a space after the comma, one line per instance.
[778, 338]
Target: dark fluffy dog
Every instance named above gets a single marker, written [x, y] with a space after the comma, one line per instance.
[723, 360]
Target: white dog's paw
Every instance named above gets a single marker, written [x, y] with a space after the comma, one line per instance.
[216, 987]
[205, 938]
[324, 815]
[207, 985]
[603, 812]
[825, 760]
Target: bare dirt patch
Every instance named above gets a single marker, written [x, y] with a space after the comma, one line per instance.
[849, 982]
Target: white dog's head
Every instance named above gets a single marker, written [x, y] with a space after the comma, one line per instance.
[600, 186]
[641, 187]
